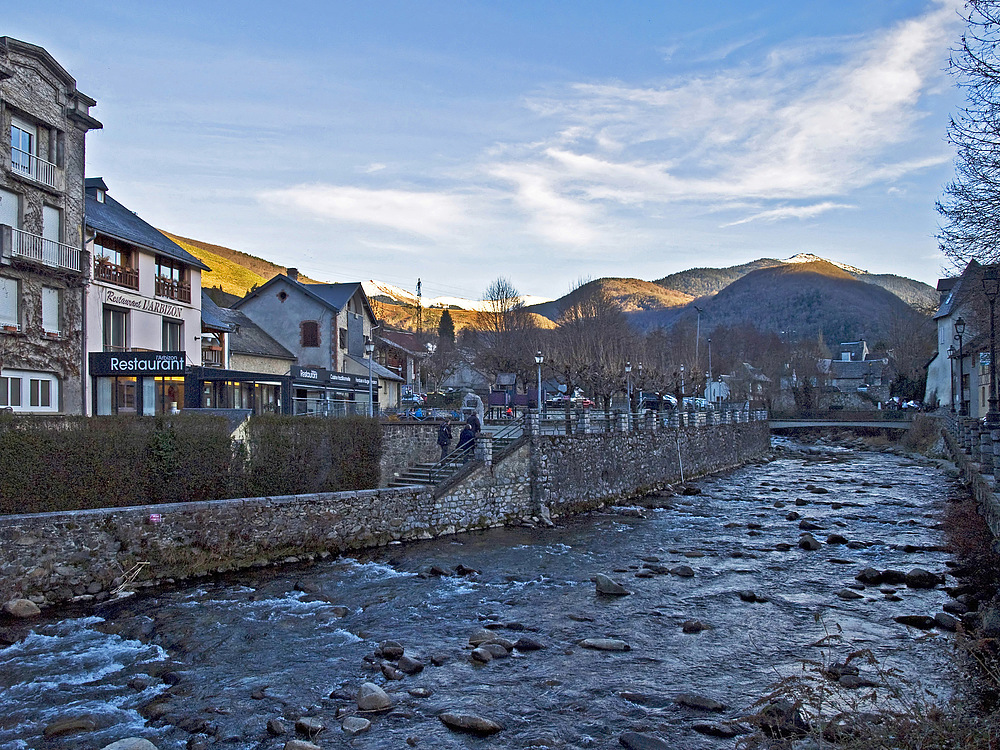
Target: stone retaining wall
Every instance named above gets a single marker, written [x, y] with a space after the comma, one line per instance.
[980, 486]
[54, 558]
[407, 443]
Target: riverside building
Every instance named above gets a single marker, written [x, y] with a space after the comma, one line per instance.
[44, 267]
[143, 319]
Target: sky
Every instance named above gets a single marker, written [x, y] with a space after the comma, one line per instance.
[546, 141]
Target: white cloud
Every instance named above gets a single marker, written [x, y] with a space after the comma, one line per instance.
[422, 213]
[790, 212]
[372, 168]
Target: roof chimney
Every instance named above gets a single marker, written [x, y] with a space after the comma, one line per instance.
[293, 273]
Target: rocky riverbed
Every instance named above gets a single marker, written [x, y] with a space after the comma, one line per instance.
[653, 626]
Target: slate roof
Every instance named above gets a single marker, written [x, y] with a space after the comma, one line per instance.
[951, 301]
[114, 220]
[854, 370]
[404, 341]
[246, 337]
[335, 296]
[377, 369]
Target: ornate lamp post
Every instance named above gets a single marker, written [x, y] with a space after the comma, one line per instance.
[681, 404]
[628, 384]
[959, 333]
[951, 371]
[369, 350]
[991, 288]
[538, 361]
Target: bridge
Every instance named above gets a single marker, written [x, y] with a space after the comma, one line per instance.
[884, 420]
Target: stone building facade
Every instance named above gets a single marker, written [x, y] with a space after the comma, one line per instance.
[44, 268]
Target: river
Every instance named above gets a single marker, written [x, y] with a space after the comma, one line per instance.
[216, 659]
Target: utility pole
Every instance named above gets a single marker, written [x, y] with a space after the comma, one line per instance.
[697, 340]
[420, 310]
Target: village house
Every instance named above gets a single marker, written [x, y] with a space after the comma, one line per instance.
[143, 311]
[43, 264]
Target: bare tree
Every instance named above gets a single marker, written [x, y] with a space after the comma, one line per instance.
[506, 335]
[971, 202]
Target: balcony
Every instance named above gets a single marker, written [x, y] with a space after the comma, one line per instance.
[173, 289]
[47, 252]
[211, 356]
[30, 166]
[115, 274]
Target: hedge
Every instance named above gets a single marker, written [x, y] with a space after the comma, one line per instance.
[72, 463]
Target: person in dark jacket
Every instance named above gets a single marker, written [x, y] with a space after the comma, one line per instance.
[444, 437]
[473, 422]
[467, 441]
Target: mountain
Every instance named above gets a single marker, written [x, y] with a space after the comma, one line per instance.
[637, 298]
[806, 299]
[700, 282]
[391, 294]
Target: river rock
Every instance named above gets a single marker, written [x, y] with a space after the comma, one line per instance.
[869, 577]
[525, 644]
[301, 745]
[409, 665]
[605, 644]
[946, 622]
[700, 702]
[372, 698]
[470, 724]
[715, 729]
[69, 725]
[894, 577]
[481, 655]
[309, 726]
[848, 595]
[355, 725]
[918, 578]
[391, 650]
[131, 743]
[782, 720]
[276, 727]
[921, 622]
[808, 542]
[391, 673]
[853, 682]
[21, 608]
[836, 539]
[608, 587]
[421, 692]
[497, 650]
[480, 636]
[693, 626]
[638, 741]
[683, 571]
[806, 525]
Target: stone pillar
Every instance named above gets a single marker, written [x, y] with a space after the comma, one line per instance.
[531, 422]
[583, 422]
[995, 449]
[709, 417]
[985, 451]
[484, 448]
[623, 422]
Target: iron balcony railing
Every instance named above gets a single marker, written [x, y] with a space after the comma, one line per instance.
[39, 170]
[115, 274]
[173, 289]
[211, 356]
[47, 252]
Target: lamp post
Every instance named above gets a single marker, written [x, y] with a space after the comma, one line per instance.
[991, 288]
[951, 375]
[640, 387]
[538, 361]
[628, 385]
[369, 350]
[710, 358]
[681, 404]
[697, 337]
[959, 333]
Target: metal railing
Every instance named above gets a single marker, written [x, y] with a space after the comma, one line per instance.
[47, 252]
[115, 274]
[312, 407]
[29, 165]
[211, 356]
[173, 289]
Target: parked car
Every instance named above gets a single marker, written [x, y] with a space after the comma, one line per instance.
[413, 399]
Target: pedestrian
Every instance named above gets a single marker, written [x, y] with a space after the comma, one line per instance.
[444, 438]
[473, 422]
[467, 442]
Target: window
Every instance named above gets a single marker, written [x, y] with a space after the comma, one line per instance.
[115, 330]
[51, 310]
[310, 333]
[39, 393]
[10, 303]
[23, 142]
[10, 209]
[342, 338]
[110, 252]
[10, 392]
[170, 270]
[170, 280]
[173, 335]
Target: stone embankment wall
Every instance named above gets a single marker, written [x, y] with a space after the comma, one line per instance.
[53, 558]
[981, 486]
[407, 443]
[578, 472]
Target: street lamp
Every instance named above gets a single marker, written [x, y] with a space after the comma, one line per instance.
[640, 387]
[369, 350]
[538, 361]
[710, 358]
[959, 333]
[681, 404]
[628, 384]
[951, 375]
[991, 288]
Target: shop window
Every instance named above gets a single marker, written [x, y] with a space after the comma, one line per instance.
[51, 310]
[115, 330]
[173, 335]
[10, 304]
[309, 333]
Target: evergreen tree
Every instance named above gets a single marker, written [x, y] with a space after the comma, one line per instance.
[446, 330]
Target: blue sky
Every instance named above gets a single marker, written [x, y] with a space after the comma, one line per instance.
[545, 141]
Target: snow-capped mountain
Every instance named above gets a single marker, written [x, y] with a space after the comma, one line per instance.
[394, 294]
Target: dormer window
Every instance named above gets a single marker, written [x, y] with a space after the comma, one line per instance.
[99, 195]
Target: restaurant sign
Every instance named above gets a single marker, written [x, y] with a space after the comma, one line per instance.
[339, 380]
[143, 304]
[125, 364]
